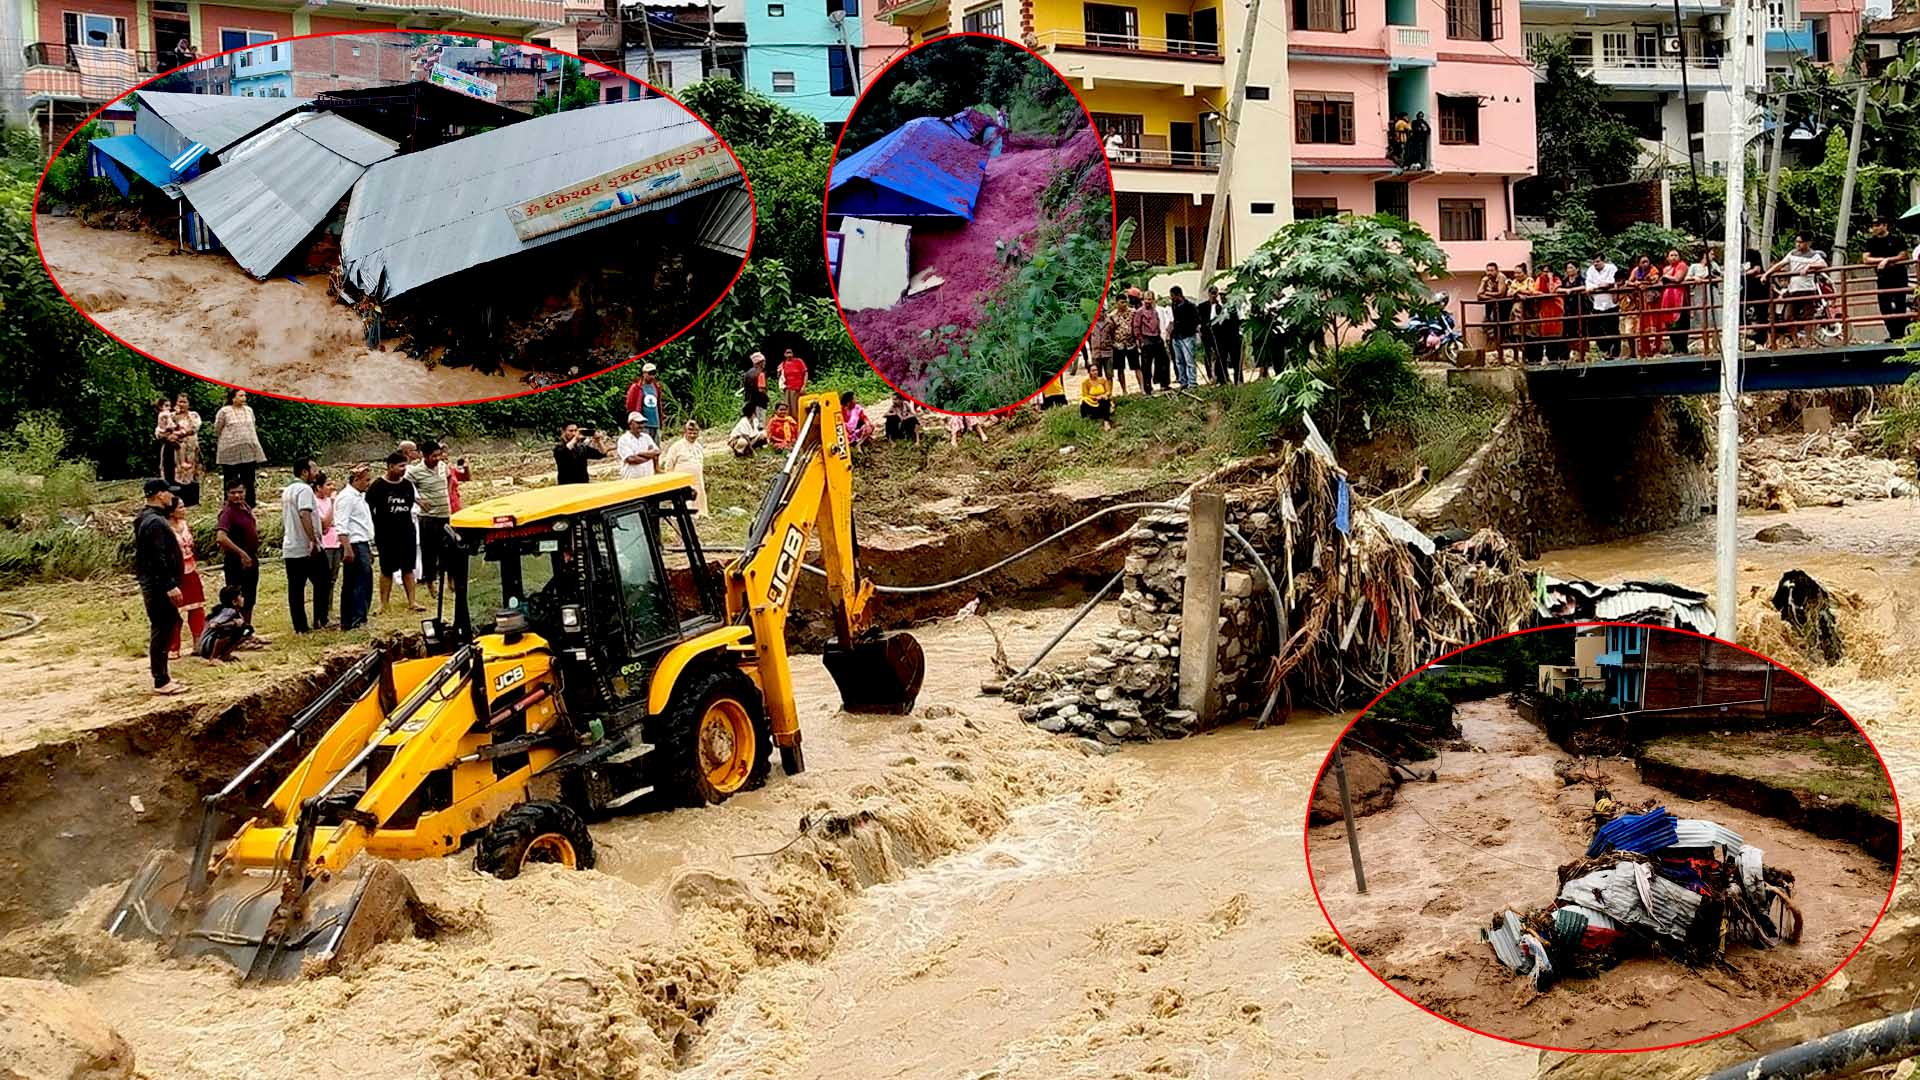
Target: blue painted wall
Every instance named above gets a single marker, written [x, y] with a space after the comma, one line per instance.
[800, 40]
[274, 84]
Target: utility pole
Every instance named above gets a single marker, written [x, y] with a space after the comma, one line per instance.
[1686, 110]
[646, 38]
[1773, 174]
[1229, 138]
[839, 19]
[713, 48]
[1841, 229]
[1346, 813]
[1727, 501]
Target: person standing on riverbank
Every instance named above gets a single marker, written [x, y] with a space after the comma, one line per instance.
[354, 520]
[158, 567]
[237, 448]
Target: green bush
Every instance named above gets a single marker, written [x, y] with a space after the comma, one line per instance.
[1418, 704]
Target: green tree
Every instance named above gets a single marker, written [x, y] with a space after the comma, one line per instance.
[1581, 143]
[787, 158]
[576, 92]
[1315, 279]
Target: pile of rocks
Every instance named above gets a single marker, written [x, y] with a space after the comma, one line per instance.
[1128, 687]
[1828, 468]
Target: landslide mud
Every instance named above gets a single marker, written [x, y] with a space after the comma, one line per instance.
[1489, 833]
[204, 314]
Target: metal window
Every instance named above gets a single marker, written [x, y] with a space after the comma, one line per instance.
[987, 19]
[783, 82]
[1463, 219]
[1112, 26]
[1305, 209]
[1390, 197]
[1323, 118]
[1474, 20]
[843, 79]
[1333, 16]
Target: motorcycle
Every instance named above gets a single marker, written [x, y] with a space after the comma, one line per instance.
[1433, 337]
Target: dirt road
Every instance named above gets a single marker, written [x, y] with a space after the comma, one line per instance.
[1039, 911]
[205, 315]
[1488, 834]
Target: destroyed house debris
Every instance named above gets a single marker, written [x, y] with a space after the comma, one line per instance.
[1687, 886]
[174, 135]
[925, 168]
[421, 217]
[276, 188]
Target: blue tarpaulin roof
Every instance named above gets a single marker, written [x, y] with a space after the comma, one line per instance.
[1646, 832]
[923, 168]
[133, 152]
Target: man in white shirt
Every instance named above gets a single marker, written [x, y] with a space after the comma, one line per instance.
[353, 518]
[300, 544]
[636, 449]
[1603, 308]
[1803, 265]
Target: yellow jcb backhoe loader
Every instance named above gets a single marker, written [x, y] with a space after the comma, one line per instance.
[603, 676]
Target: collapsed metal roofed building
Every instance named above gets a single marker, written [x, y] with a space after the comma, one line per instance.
[422, 217]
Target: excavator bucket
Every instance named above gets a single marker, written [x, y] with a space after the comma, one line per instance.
[880, 674]
[253, 921]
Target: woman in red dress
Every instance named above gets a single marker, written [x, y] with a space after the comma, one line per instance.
[193, 595]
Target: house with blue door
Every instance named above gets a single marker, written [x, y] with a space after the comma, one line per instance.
[1622, 664]
[805, 55]
[263, 71]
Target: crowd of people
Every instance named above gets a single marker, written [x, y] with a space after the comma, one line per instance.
[1662, 306]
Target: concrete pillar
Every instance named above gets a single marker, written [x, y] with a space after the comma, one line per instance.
[1200, 606]
[1262, 176]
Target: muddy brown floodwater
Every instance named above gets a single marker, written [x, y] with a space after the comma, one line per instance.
[1487, 835]
[205, 315]
[1033, 910]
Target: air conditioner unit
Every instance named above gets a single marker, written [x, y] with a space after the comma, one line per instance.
[1714, 24]
[1670, 45]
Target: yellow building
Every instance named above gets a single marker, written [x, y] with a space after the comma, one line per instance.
[1157, 75]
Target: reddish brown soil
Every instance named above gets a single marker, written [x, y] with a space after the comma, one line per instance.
[1007, 210]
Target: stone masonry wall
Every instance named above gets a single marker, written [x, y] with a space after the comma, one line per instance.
[1128, 687]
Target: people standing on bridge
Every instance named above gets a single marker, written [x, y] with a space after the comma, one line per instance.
[1673, 300]
[1890, 256]
[1601, 278]
[1640, 307]
[1703, 278]
[1573, 300]
[1550, 309]
[1493, 301]
[1756, 298]
[1802, 266]
[1526, 330]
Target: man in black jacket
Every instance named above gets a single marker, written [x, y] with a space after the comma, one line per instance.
[158, 564]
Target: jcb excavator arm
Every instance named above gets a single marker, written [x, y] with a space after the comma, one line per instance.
[813, 493]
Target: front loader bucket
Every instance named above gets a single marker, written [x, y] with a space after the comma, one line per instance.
[240, 917]
[881, 674]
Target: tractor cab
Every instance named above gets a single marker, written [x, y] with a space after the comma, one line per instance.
[584, 570]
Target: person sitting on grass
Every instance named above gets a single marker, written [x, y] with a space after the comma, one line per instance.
[745, 437]
[782, 429]
[1055, 392]
[1096, 398]
[903, 419]
[226, 627]
[959, 424]
[859, 424]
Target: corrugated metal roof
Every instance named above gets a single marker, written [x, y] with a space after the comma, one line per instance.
[1639, 605]
[277, 187]
[1700, 833]
[216, 120]
[1623, 891]
[420, 217]
[1646, 832]
[728, 227]
[133, 152]
[921, 168]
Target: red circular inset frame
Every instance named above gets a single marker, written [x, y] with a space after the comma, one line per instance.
[1113, 224]
[1338, 855]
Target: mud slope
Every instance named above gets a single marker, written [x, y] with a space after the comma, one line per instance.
[205, 315]
[1490, 833]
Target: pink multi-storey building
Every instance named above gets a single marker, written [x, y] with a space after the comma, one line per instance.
[1354, 66]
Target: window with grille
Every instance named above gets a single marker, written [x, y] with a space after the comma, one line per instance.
[1183, 237]
[1305, 209]
[1323, 118]
[1463, 219]
[1459, 121]
[1474, 20]
[990, 19]
[1776, 14]
[1336, 16]
[100, 31]
[1390, 197]
[783, 82]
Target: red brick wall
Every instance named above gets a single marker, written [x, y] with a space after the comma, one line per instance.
[53, 25]
[322, 24]
[329, 63]
[215, 18]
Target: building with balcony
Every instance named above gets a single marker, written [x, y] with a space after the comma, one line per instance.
[687, 47]
[1355, 66]
[80, 58]
[1156, 74]
[806, 54]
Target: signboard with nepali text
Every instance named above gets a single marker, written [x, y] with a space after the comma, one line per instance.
[681, 169]
[442, 75]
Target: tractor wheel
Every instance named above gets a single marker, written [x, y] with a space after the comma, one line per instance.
[534, 832]
[713, 740]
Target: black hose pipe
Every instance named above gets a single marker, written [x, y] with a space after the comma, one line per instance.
[1842, 1053]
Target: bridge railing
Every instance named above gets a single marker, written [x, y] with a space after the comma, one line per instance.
[1660, 318]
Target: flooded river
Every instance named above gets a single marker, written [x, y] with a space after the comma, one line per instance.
[1005, 904]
